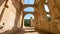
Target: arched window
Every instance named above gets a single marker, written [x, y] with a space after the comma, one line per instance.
[29, 9]
[28, 2]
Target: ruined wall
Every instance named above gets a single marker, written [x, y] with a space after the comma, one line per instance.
[8, 16]
[43, 25]
[12, 14]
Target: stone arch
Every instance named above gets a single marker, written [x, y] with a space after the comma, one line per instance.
[28, 20]
[30, 15]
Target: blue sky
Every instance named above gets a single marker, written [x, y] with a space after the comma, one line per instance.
[28, 1]
[28, 16]
[31, 9]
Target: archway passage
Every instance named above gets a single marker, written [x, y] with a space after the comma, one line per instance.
[28, 19]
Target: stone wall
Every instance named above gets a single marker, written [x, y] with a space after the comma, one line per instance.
[8, 16]
[11, 17]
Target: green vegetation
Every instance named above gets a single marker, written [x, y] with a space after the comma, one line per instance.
[27, 22]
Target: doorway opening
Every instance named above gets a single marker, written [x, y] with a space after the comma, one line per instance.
[28, 19]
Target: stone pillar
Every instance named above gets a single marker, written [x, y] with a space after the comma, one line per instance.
[23, 23]
[32, 22]
[22, 19]
[17, 5]
[19, 22]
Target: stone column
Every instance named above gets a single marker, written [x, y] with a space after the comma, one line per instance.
[18, 13]
[32, 22]
[22, 19]
[23, 23]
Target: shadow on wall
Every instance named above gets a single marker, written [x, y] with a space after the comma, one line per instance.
[1, 2]
[14, 30]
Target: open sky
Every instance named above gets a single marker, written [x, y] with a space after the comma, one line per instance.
[31, 9]
[28, 1]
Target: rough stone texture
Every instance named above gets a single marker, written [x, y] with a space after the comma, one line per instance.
[45, 25]
[14, 14]
[8, 17]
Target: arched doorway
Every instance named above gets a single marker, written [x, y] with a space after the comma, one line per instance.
[28, 19]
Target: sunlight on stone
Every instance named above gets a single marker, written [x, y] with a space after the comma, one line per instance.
[27, 18]
[8, 17]
[46, 1]
[48, 15]
[46, 8]
[1, 7]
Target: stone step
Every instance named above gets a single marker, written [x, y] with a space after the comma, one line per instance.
[31, 33]
[29, 29]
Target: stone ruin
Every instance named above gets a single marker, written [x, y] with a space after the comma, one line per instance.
[45, 22]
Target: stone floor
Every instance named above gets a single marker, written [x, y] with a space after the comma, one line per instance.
[28, 30]
[31, 33]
